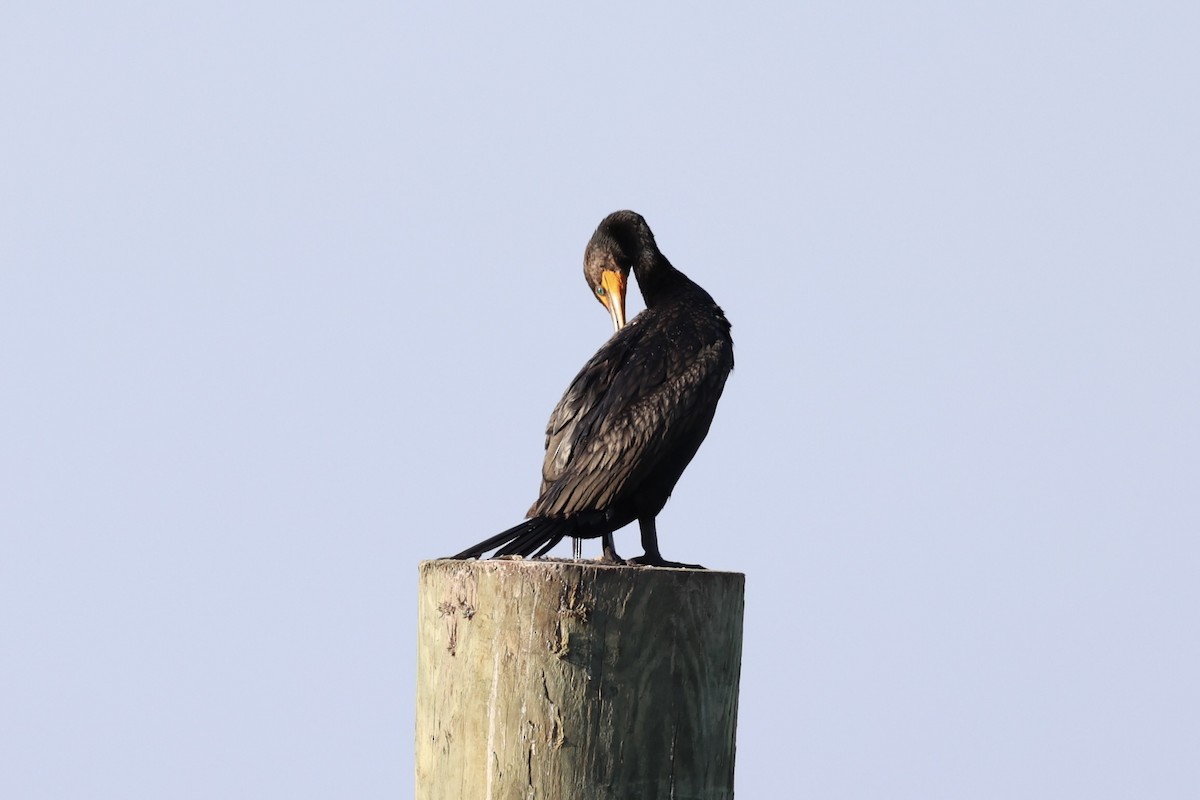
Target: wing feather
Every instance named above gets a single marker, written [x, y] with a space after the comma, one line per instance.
[631, 404]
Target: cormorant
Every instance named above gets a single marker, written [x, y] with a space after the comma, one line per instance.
[635, 415]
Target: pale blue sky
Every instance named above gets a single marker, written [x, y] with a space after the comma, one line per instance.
[287, 292]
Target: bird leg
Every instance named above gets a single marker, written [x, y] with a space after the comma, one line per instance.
[576, 548]
[652, 557]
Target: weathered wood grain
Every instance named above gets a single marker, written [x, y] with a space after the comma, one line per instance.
[548, 680]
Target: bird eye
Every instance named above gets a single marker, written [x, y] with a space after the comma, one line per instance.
[600, 291]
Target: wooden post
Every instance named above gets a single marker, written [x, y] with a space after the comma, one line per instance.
[560, 680]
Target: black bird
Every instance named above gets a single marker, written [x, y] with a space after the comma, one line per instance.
[635, 415]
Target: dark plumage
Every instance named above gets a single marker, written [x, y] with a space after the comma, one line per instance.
[635, 415]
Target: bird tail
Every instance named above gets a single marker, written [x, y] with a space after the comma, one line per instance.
[533, 537]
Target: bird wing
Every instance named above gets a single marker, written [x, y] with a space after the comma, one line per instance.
[634, 401]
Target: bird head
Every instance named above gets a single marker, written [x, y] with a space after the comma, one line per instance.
[606, 270]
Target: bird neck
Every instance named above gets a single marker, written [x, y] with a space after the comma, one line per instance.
[656, 278]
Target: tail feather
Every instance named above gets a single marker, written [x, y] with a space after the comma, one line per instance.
[537, 540]
[532, 537]
[550, 546]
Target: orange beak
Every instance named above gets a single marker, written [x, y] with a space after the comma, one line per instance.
[613, 297]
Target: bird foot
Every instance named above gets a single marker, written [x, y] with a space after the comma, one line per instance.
[609, 556]
[659, 561]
